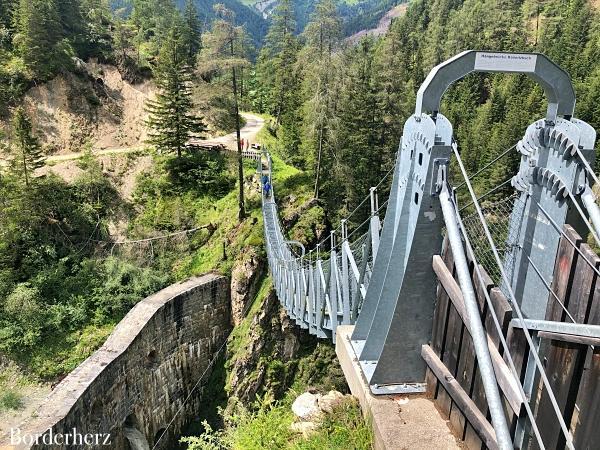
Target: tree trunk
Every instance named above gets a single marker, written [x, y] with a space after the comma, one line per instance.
[316, 194]
[25, 168]
[242, 211]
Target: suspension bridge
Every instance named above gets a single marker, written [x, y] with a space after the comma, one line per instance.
[491, 309]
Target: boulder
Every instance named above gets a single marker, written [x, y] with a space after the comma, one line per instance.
[306, 406]
[330, 400]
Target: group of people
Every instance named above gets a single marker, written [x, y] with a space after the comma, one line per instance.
[245, 143]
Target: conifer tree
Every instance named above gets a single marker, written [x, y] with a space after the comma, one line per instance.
[27, 150]
[7, 10]
[191, 32]
[361, 125]
[39, 36]
[223, 56]
[99, 28]
[172, 120]
[323, 36]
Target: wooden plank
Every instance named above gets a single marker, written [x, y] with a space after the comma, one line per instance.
[586, 416]
[518, 347]
[460, 397]
[464, 377]
[583, 285]
[438, 333]
[449, 344]
[570, 338]
[485, 284]
[503, 312]
[563, 274]
[564, 361]
[451, 353]
[437, 336]
[505, 379]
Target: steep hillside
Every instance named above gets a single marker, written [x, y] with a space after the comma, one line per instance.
[94, 106]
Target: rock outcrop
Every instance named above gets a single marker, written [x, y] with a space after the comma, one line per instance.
[271, 344]
[245, 277]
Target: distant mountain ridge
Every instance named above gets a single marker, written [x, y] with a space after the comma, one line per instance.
[250, 17]
[254, 14]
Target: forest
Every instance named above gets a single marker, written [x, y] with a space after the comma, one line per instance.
[334, 111]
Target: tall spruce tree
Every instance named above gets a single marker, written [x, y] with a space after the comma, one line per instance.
[7, 11]
[223, 57]
[323, 37]
[171, 118]
[27, 151]
[191, 32]
[361, 125]
[281, 79]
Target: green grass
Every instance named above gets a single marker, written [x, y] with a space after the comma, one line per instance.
[343, 429]
[269, 428]
[63, 353]
[238, 340]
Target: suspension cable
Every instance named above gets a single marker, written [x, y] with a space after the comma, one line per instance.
[559, 301]
[555, 225]
[587, 166]
[488, 193]
[366, 220]
[505, 152]
[516, 307]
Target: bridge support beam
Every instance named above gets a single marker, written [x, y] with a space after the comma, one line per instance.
[396, 317]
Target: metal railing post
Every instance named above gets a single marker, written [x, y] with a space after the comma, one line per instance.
[345, 275]
[375, 223]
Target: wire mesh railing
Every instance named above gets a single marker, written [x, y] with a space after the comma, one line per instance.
[497, 215]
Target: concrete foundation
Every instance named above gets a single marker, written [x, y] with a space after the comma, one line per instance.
[399, 421]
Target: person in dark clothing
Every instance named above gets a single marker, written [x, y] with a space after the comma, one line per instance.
[267, 188]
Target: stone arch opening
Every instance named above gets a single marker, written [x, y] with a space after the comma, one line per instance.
[152, 361]
[136, 440]
[159, 436]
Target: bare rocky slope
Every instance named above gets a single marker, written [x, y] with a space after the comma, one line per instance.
[94, 106]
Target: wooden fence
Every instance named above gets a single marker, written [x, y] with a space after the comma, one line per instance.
[572, 364]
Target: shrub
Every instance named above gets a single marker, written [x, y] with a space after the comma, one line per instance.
[11, 400]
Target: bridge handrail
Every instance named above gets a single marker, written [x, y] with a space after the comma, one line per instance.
[318, 290]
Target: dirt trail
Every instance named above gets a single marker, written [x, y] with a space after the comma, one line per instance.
[253, 125]
[248, 132]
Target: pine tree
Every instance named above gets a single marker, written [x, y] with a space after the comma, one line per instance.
[39, 36]
[192, 37]
[99, 29]
[7, 11]
[361, 136]
[281, 78]
[172, 121]
[28, 154]
[323, 36]
[224, 56]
